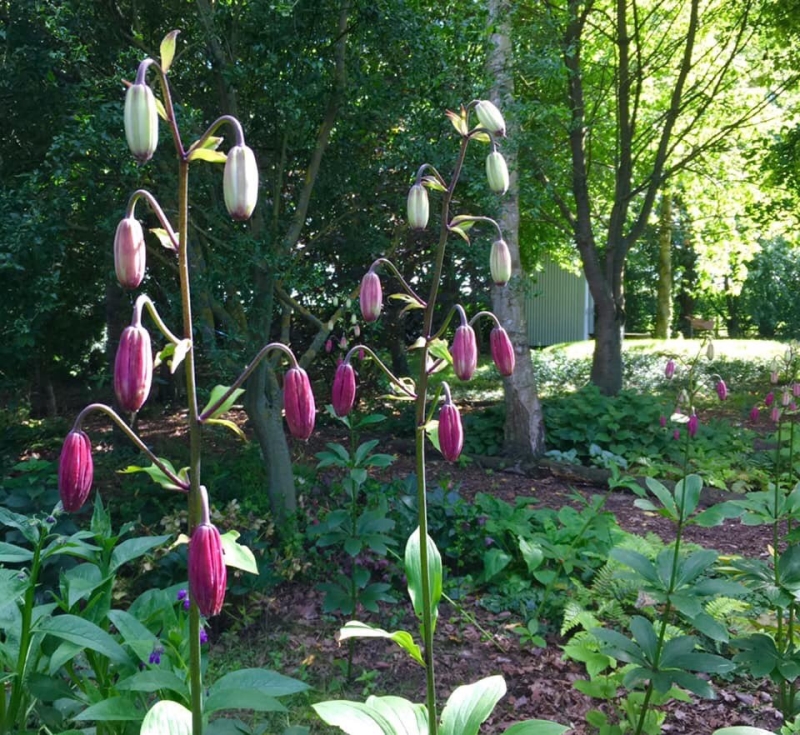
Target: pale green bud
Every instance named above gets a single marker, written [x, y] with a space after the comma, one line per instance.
[240, 182]
[418, 207]
[141, 121]
[497, 172]
[500, 262]
[490, 118]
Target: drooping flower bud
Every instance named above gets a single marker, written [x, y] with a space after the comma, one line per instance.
[464, 352]
[710, 350]
[451, 433]
[773, 377]
[754, 414]
[786, 397]
[796, 390]
[662, 421]
[240, 182]
[693, 425]
[208, 576]
[328, 345]
[775, 414]
[676, 434]
[371, 296]
[500, 262]
[417, 207]
[141, 121]
[129, 253]
[497, 172]
[75, 471]
[298, 403]
[133, 368]
[669, 370]
[769, 399]
[344, 389]
[722, 390]
[502, 351]
[490, 118]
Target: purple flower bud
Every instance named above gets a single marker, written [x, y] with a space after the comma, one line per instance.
[182, 595]
[464, 352]
[240, 182]
[133, 368]
[676, 434]
[451, 433]
[141, 121]
[502, 351]
[722, 390]
[417, 207]
[298, 403]
[344, 389]
[328, 345]
[155, 655]
[371, 297]
[754, 414]
[662, 421]
[490, 118]
[500, 262]
[775, 414]
[497, 172]
[796, 390]
[361, 353]
[769, 399]
[203, 636]
[187, 603]
[75, 471]
[207, 574]
[773, 377]
[693, 425]
[343, 343]
[129, 253]
[669, 370]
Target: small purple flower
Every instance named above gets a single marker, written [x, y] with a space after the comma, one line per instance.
[187, 603]
[203, 636]
[769, 399]
[182, 595]
[693, 424]
[155, 655]
[488, 541]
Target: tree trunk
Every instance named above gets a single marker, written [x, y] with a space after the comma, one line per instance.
[664, 291]
[524, 423]
[607, 360]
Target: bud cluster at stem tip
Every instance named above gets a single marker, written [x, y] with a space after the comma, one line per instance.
[298, 403]
[75, 471]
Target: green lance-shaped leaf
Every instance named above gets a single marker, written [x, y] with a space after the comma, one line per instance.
[355, 629]
[236, 555]
[168, 50]
[353, 718]
[167, 718]
[86, 634]
[536, 727]
[405, 718]
[157, 475]
[687, 494]
[413, 564]
[470, 706]
[254, 689]
[114, 709]
[217, 392]
[742, 730]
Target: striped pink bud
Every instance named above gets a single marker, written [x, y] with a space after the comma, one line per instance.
[502, 351]
[451, 433]
[693, 425]
[500, 262]
[344, 389]
[754, 414]
[722, 390]
[371, 296]
[669, 370]
[133, 368]
[75, 471]
[298, 403]
[207, 573]
[464, 352]
[129, 253]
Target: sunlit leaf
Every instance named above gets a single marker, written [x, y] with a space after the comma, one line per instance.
[168, 50]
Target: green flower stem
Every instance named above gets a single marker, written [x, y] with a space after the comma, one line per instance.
[195, 429]
[421, 403]
[145, 301]
[406, 287]
[117, 419]
[393, 379]
[9, 722]
[156, 207]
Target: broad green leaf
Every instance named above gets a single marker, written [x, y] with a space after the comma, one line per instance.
[236, 555]
[261, 681]
[247, 699]
[167, 718]
[11, 554]
[531, 553]
[28, 528]
[65, 652]
[166, 242]
[432, 430]
[413, 565]
[687, 494]
[167, 50]
[470, 706]
[134, 634]
[353, 718]
[536, 727]
[112, 709]
[494, 561]
[216, 394]
[179, 354]
[742, 730]
[355, 629]
[645, 636]
[133, 548]
[406, 718]
[664, 496]
[11, 586]
[152, 680]
[205, 154]
[81, 581]
[155, 473]
[638, 562]
[84, 633]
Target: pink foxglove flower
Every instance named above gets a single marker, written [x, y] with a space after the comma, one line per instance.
[754, 414]
[722, 390]
[669, 370]
[693, 425]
